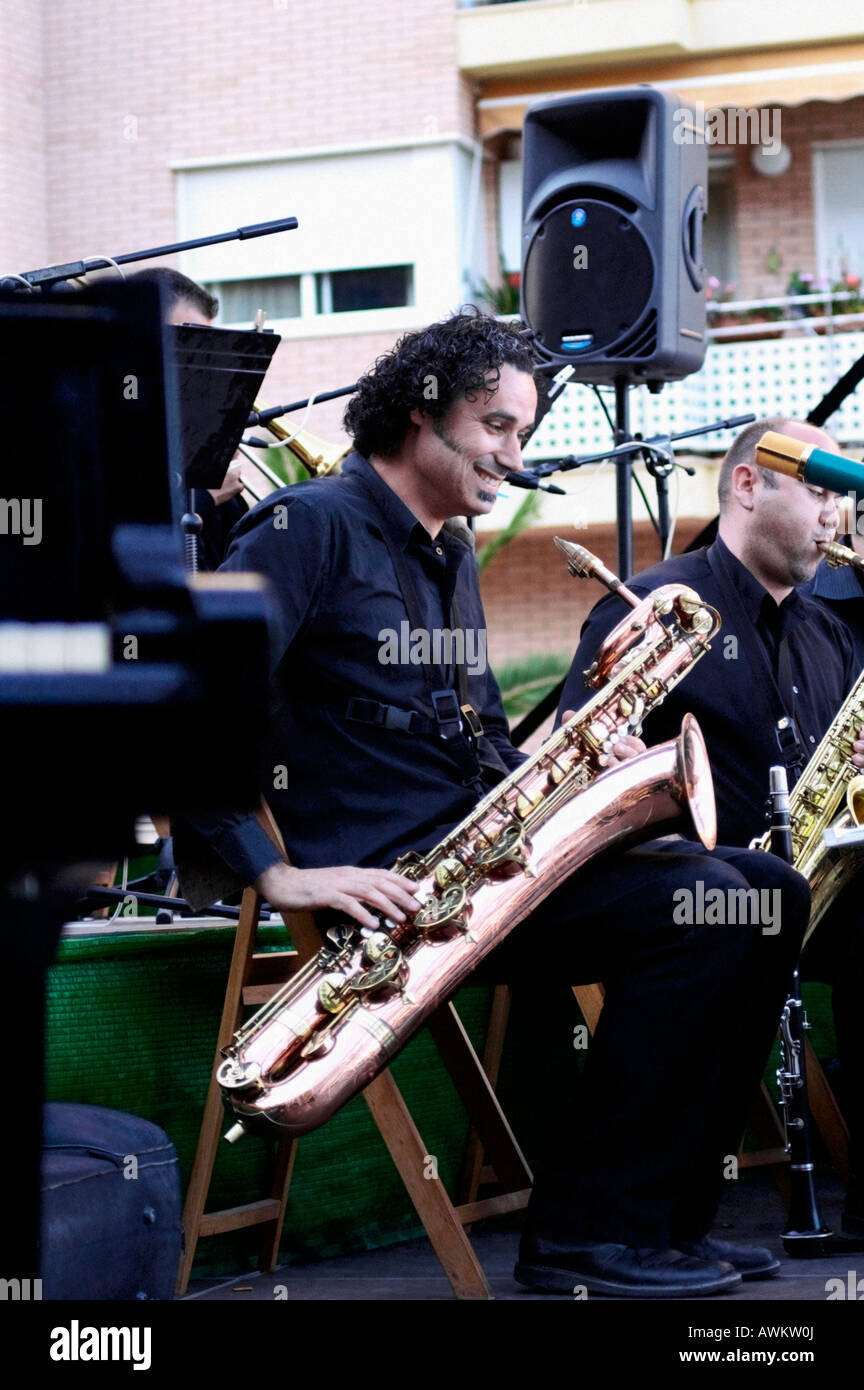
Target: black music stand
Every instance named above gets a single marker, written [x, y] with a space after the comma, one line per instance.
[219, 373]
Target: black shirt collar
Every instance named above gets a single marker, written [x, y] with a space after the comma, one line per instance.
[758, 603]
[403, 526]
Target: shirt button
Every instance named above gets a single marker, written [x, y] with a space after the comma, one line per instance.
[794, 690]
[439, 550]
[812, 739]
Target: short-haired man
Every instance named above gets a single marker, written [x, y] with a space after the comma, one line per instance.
[765, 694]
[378, 762]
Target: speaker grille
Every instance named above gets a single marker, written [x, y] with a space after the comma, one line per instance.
[642, 342]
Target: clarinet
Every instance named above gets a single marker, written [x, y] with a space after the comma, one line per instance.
[806, 1236]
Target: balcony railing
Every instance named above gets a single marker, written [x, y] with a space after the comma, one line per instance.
[780, 367]
[786, 316]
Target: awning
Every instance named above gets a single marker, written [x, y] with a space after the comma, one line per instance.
[755, 81]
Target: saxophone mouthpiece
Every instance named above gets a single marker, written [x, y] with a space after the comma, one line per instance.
[587, 566]
[838, 555]
[580, 560]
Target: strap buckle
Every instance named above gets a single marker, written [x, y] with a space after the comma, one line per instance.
[789, 743]
[472, 719]
[446, 710]
[361, 711]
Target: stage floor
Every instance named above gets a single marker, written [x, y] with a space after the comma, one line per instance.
[752, 1212]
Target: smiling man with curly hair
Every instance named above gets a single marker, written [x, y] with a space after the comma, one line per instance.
[374, 757]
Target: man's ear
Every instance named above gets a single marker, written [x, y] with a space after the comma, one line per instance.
[744, 480]
[417, 417]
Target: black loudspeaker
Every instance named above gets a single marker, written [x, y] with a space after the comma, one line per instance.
[614, 195]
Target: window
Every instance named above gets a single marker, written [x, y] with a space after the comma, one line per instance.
[839, 204]
[376, 287]
[240, 300]
[719, 236]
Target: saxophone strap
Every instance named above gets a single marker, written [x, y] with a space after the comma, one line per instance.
[453, 717]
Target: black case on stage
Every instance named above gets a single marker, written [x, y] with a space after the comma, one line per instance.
[110, 1206]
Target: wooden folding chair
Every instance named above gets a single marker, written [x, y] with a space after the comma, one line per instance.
[251, 981]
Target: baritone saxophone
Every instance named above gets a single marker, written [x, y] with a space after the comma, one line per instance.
[337, 1023]
[829, 794]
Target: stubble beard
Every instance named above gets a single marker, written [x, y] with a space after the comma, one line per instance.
[447, 439]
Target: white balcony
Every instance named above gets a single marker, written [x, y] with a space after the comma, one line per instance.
[525, 36]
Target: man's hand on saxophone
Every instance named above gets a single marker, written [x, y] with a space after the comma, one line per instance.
[858, 749]
[628, 746]
[346, 889]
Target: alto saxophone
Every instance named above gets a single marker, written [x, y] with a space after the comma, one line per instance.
[828, 781]
[329, 1031]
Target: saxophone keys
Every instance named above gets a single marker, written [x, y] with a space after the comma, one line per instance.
[509, 848]
[557, 773]
[443, 911]
[318, 1045]
[377, 947]
[385, 970]
[450, 870]
[234, 1075]
[331, 993]
[524, 805]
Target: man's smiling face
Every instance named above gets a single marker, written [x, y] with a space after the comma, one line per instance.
[461, 458]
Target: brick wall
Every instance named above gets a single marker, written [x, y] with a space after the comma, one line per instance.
[534, 606]
[131, 88]
[778, 213]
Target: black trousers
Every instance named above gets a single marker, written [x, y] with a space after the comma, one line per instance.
[690, 1013]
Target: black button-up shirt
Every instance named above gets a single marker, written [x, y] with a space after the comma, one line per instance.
[345, 792]
[766, 662]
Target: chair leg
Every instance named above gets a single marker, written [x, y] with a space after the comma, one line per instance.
[499, 1016]
[475, 1089]
[268, 1251]
[214, 1112]
[827, 1113]
[199, 1182]
[433, 1206]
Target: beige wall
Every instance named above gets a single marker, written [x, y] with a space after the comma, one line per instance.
[23, 241]
[778, 212]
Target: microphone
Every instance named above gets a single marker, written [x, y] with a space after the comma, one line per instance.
[818, 467]
[533, 483]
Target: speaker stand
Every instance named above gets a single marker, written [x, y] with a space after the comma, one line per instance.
[623, 480]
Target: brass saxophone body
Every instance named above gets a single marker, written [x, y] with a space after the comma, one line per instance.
[829, 783]
[343, 1018]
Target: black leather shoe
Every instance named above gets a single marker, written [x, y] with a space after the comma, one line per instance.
[751, 1261]
[621, 1271]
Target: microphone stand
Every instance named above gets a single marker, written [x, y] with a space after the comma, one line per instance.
[51, 274]
[657, 451]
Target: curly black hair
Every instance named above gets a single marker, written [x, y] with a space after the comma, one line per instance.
[431, 369]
